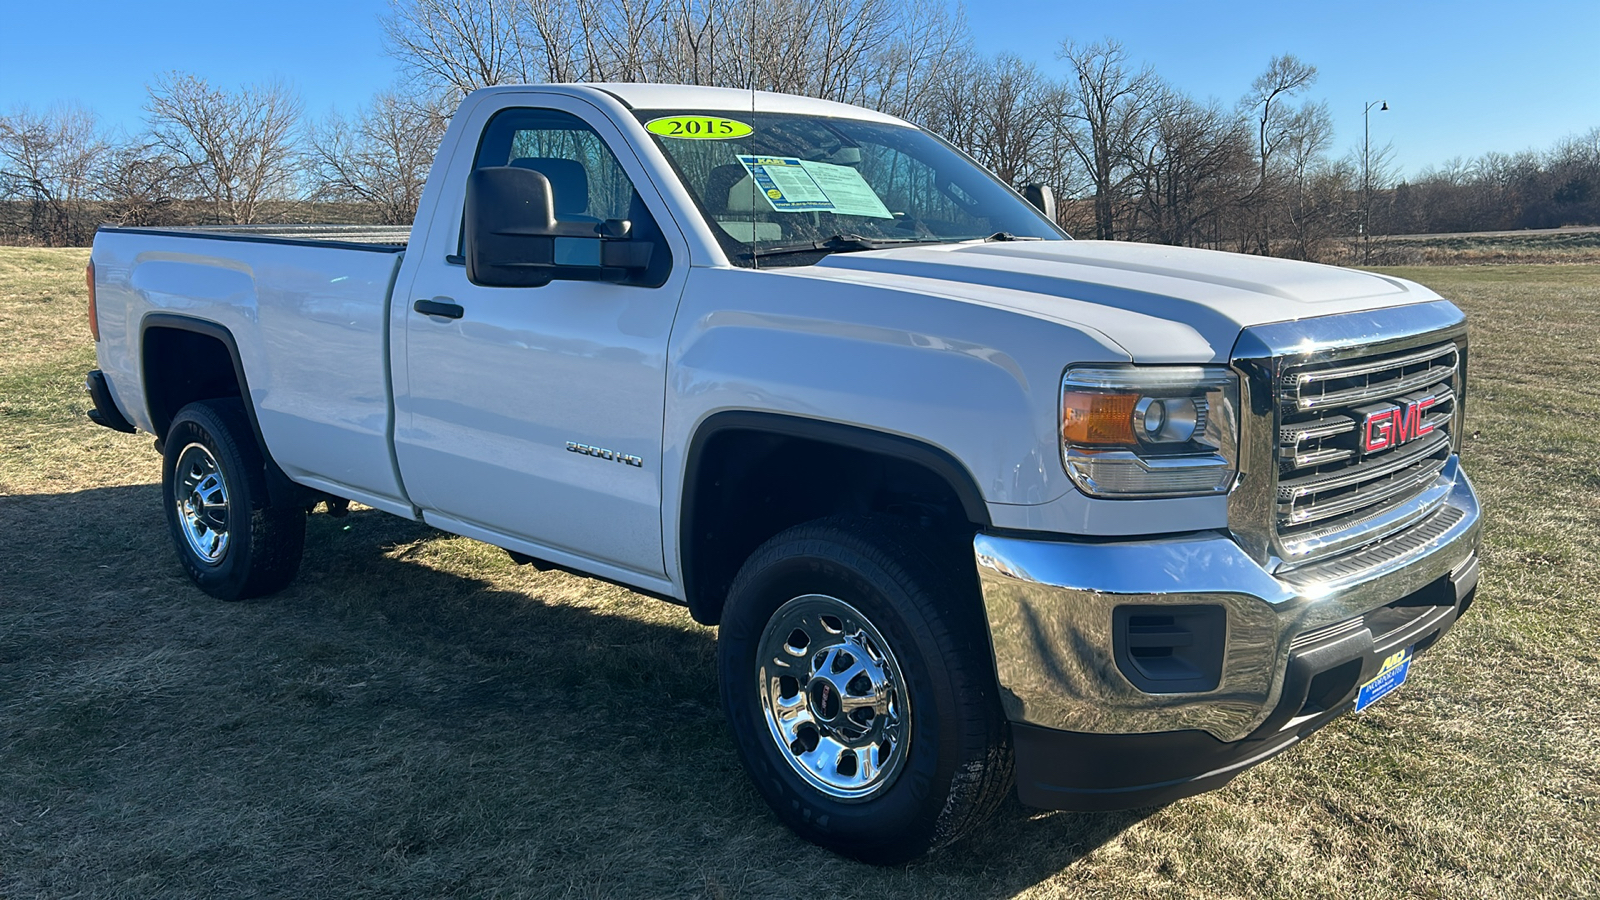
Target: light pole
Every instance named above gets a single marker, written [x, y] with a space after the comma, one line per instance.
[1366, 175]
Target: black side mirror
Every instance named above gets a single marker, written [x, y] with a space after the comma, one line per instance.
[1042, 196]
[513, 238]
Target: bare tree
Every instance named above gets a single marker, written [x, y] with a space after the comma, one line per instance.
[380, 158]
[1304, 140]
[1143, 160]
[1373, 207]
[1108, 109]
[923, 52]
[47, 161]
[461, 44]
[1267, 103]
[1192, 167]
[1569, 191]
[1004, 113]
[234, 149]
[1502, 180]
[878, 52]
[1285, 77]
[136, 184]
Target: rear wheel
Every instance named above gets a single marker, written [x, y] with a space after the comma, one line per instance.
[232, 540]
[855, 671]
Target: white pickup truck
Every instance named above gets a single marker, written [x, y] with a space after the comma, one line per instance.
[974, 504]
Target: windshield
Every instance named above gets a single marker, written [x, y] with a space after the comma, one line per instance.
[781, 189]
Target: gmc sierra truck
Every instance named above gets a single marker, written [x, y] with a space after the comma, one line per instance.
[975, 505]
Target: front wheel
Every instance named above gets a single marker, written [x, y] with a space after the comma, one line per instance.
[232, 540]
[854, 668]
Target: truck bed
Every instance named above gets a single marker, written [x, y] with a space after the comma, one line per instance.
[305, 309]
[376, 238]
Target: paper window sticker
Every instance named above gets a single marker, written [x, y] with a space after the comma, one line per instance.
[847, 190]
[786, 184]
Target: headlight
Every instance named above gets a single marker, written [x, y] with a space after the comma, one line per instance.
[1155, 431]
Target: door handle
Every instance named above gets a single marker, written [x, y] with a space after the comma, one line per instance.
[439, 306]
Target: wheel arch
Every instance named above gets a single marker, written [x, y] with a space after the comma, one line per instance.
[219, 373]
[838, 467]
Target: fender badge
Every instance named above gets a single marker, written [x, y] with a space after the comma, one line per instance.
[602, 453]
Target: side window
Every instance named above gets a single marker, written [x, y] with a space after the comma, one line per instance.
[587, 183]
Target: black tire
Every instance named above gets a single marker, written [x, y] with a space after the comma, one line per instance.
[920, 594]
[243, 546]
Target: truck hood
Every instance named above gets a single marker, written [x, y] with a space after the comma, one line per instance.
[1158, 303]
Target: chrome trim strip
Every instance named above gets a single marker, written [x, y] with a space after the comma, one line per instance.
[1146, 378]
[1352, 396]
[1367, 498]
[1333, 425]
[1384, 365]
[1387, 464]
[1049, 607]
[1330, 576]
[1080, 464]
[1317, 457]
[1328, 541]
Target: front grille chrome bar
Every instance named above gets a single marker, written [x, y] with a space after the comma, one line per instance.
[1368, 495]
[1399, 381]
[1295, 488]
[1329, 540]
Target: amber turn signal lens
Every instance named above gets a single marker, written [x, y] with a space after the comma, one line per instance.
[1088, 419]
[94, 310]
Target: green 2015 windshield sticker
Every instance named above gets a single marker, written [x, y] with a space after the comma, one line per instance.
[698, 128]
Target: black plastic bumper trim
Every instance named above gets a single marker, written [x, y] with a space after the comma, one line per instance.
[105, 410]
[1102, 772]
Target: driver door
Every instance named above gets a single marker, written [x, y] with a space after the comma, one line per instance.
[534, 419]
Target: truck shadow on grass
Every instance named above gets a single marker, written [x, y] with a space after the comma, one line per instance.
[415, 715]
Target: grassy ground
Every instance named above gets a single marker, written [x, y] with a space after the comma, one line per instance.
[1493, 248]
[418, 717]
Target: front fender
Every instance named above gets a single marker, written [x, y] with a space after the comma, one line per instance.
[975, 381]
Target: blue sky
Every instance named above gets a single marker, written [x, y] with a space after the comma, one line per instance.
[1460, 78]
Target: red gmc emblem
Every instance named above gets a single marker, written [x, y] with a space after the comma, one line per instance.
[1387, 425]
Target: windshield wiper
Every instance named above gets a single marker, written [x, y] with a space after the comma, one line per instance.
[841, 243]
[1008, 236]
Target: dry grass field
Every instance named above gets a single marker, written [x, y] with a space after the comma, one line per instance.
[418, 717]
[1578, 245]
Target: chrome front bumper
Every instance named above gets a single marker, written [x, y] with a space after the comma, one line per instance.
[1050, 607]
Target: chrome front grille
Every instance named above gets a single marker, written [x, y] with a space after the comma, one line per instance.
[1359, 438]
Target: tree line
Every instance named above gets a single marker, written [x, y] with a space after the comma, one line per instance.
[1132, 155]
[212, 155]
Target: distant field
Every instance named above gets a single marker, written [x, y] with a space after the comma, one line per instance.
[1576, 245]
[419, 717]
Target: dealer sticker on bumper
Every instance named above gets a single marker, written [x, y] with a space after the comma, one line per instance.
[1391, 676]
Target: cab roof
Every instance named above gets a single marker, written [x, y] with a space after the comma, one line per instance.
[697, 97]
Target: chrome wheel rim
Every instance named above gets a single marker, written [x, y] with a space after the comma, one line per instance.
[834, 697]
[201, 495]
